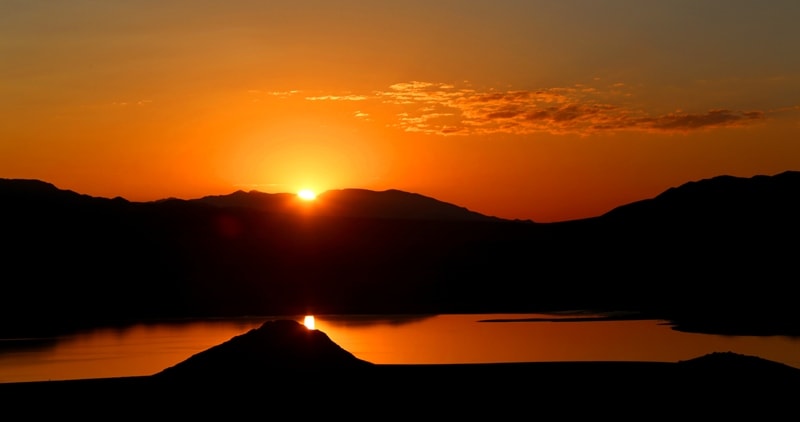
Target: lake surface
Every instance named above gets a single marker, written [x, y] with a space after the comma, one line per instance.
[145, 349]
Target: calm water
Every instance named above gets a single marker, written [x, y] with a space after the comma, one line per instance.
[148, 348]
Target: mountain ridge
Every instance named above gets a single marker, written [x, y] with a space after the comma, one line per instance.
[281, 201]
[696, 256]
[351, 202]
[723, 191]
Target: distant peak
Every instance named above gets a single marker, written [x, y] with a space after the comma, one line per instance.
[393, 204]
[718, 197]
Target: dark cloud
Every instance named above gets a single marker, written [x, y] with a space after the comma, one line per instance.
[713, 118]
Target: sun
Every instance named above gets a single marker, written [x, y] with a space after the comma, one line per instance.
[309, 322]
[306, 194]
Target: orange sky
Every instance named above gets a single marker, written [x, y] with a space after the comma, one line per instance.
[537, 110]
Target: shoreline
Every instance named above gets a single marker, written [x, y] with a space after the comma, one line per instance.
[283, 367]
[554, 317]
[501, 390]
[716, 363]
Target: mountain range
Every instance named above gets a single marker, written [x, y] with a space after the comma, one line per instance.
[715, 254]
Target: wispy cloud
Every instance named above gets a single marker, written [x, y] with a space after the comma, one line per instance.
[446, 109]
[282, 94]
[338, 98]
[686, 121]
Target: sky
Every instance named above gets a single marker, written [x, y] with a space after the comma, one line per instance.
[530, 109]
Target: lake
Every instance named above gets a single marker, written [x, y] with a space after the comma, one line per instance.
[145, 349]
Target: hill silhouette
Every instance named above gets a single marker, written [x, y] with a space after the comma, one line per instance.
[283, 345]
[286, 353]
[277, 345]
[712, 255]
[359, 203]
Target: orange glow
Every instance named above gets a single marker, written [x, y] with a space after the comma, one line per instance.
[530, 132]
[308, 321]
[307, 195]
[448, 339]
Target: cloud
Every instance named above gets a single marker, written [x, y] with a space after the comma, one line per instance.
[446, 109]
[713, 118]
[282, 94]
[337, 98]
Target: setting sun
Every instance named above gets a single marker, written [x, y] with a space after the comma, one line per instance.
[307, 195]
[308, 321]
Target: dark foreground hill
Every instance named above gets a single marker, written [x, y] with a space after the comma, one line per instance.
[275, 346]
[717, 254]
[282, 370]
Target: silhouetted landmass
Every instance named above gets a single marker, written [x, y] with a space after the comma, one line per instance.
[287, 345]
[274, 346]
[716, 255]
[358, 203]
[282, 369]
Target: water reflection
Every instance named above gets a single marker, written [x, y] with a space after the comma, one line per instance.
[462, 339]
[136, 350]
[145, 349]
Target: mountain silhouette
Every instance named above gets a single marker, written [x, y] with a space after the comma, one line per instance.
[721, 200]
[277, 345]
[359, 203]
[717, 254]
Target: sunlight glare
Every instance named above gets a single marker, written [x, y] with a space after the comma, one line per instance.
[306, 194]
[308, 321]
